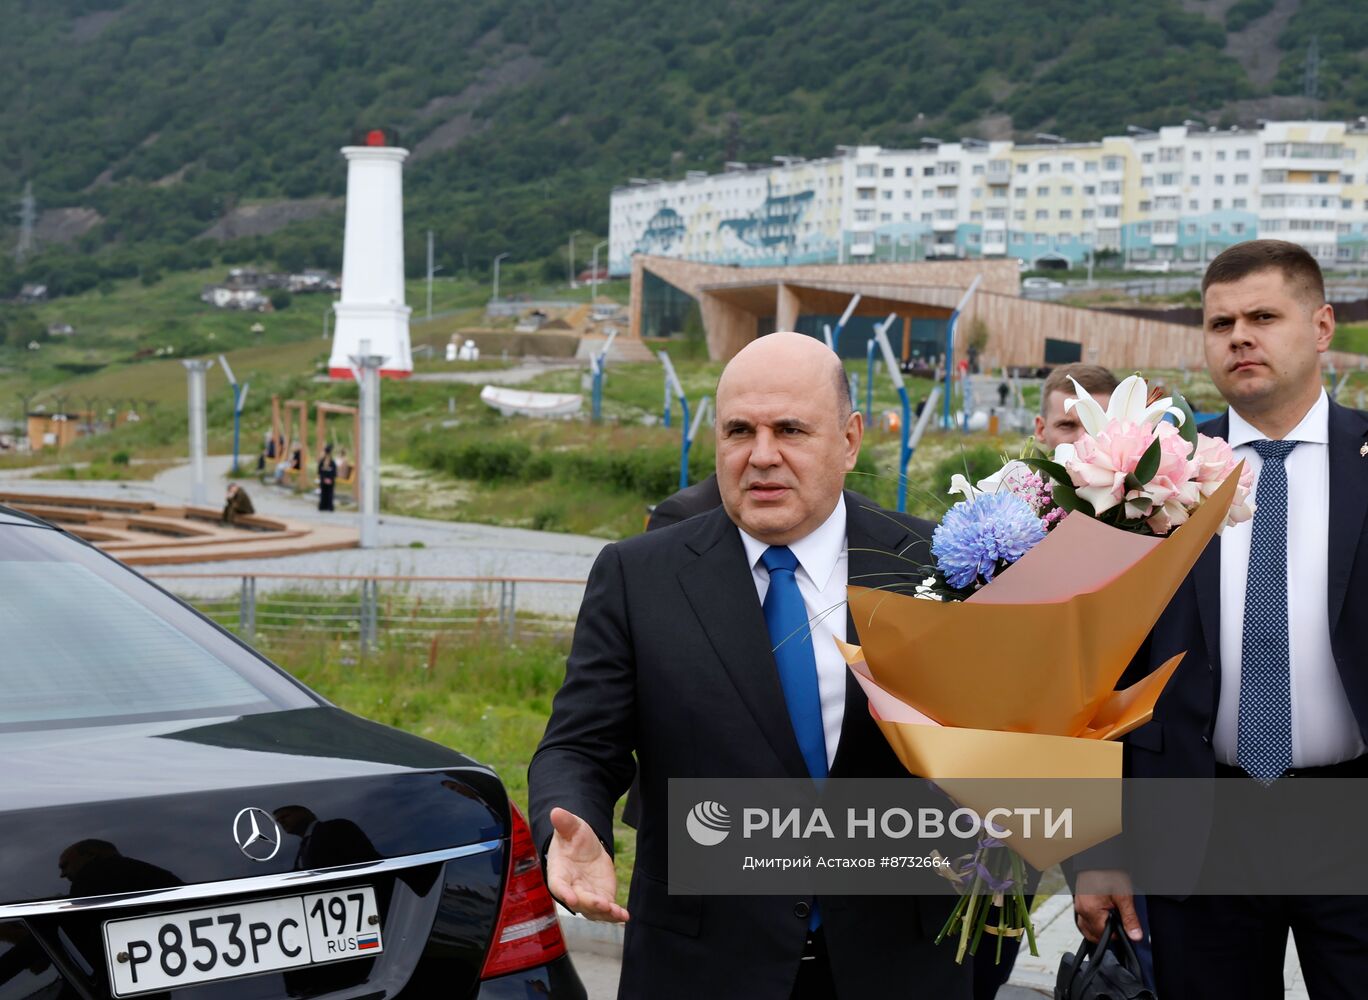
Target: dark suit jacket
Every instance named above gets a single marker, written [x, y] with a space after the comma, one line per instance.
[696, 499]
[1177, 742]
[671, 658]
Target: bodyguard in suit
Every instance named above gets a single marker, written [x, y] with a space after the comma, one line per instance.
[673, 658]
[1274, 685]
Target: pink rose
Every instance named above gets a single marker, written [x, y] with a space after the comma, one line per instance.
[1215, 460]
[1174, 462]
[1099, 466]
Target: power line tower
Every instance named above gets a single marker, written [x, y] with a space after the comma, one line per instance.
[1311, 80]
[28, 215]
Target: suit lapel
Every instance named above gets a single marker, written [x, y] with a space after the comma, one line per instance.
[721, 590]
[1348, 501]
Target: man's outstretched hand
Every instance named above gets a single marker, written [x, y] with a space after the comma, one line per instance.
[579, 872]
[1099, 892]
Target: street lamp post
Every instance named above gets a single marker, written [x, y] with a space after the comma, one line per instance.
[195, 370]
[593, 278]
[496, 273]
[366, 369]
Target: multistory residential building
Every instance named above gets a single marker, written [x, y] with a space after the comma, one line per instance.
[1179, 195]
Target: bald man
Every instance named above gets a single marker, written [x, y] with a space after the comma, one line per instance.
[673, 660]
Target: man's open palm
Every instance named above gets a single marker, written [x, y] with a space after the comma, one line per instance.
[579, 872]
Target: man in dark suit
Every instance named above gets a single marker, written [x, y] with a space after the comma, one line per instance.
[1273, 685]
[673, 659]
[699, 498]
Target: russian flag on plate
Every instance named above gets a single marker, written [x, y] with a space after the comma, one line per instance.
[369, 941]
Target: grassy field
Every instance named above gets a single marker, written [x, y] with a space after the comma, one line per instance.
[120, 330]
[1351, 337]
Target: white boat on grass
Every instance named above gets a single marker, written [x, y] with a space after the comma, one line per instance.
[524, 403]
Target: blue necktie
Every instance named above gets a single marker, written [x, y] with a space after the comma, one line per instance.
[1264, 740]
[787, 620]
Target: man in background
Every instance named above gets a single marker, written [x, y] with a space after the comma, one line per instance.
[1053, 425]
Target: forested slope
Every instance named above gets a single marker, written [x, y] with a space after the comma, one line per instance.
[142, 124]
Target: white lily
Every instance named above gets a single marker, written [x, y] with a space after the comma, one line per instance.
[1127, 405]
[1002, 479]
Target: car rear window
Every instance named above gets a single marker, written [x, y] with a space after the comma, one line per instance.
[84, 641]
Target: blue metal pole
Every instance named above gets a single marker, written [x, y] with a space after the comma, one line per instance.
[237, 423]
[870, 345]
[685, 443]
[950, 345]
[840, 324]
[946, 420]
[905, 453]
[598, 392]
[854, 390]
[666, 416]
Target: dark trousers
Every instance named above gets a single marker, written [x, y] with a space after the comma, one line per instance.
[325, 496]
[990, 975]
[1209, 947]
[1214, 947]
[814, 980]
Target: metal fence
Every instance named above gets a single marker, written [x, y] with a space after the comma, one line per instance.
[397, 609]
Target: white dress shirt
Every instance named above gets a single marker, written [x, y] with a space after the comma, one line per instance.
[1324, 730]
[822, 574]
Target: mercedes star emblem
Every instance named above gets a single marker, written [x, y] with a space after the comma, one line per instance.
[257, 833]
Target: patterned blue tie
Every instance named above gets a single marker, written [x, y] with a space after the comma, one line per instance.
[1264, 740]
[786, 618]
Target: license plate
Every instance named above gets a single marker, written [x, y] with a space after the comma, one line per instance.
[225, 942]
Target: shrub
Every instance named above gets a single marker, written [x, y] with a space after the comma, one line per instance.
[120, 458]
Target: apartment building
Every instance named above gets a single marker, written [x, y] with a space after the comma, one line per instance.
[1179, 194]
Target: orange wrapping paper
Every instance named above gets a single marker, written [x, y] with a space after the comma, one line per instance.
[1018, 682]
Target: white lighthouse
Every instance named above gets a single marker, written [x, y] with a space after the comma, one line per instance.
[372, 306]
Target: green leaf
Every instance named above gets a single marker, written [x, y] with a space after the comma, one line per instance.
[1049, 468]
[1148, 464]
[1189, 428]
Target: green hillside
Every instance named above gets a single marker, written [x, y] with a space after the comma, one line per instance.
[143, 123]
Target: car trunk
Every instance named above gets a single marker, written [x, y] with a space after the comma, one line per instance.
[163, 809]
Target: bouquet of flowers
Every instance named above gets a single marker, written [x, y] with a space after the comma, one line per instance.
[1074, 556]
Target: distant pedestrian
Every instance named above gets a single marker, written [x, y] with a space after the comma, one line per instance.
[236, 504]
[327, 479]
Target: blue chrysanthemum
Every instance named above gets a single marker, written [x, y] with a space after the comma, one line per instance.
[976, 537]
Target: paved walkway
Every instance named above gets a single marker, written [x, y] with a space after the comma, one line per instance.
[443, 548]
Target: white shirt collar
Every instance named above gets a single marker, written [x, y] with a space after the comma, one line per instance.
[817, 552]
[1313, 429]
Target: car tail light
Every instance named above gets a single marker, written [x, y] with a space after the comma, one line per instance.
[527, 932]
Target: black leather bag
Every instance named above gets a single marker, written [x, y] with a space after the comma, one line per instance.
[1099, 974]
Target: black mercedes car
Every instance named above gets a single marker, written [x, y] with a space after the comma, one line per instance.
[181, 818]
